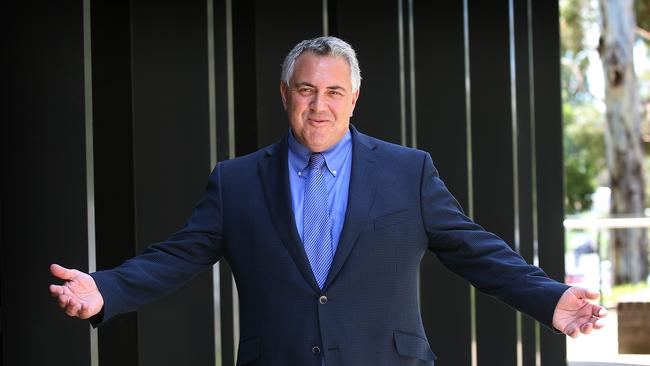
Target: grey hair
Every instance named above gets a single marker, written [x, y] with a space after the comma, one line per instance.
[323, 46]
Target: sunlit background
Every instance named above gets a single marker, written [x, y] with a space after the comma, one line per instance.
[606, 105]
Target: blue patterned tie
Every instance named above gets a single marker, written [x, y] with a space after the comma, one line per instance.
[317, 228]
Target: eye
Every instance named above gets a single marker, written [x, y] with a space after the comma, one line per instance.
[335, 94]
[306, 91]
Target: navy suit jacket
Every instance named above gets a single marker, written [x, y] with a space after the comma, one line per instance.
[398, 208]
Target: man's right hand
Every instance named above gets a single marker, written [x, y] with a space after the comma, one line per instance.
[79, 295]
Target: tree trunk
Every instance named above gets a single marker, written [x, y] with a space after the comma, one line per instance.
[628, 247]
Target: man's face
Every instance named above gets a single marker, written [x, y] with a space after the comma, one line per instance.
[319, 100]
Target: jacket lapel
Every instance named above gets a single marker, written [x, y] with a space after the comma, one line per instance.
[274, 175]
[365, 171]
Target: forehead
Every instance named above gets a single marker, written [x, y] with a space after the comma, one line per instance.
[312, 68]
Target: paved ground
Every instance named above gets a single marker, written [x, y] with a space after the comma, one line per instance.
[601, 348]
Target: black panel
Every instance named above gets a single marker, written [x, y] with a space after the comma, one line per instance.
[524, 161]
[524, 152]
[171, 162]
[113, 160]
[332, 18]
[225, 299]
[221, 77]
[492, 163]
[441, 130]
[548, 134]
[44, 213]
[245, 77]
[5, 27]
[227, 315]
[278, 27]
[373, 33]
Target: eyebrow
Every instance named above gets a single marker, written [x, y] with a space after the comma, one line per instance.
[332, 87]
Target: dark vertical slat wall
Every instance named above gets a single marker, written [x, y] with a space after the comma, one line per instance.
[112, 132]
[220, 31]
[442, 131]
[372, 31]
[492, 163]
[113, 160]
[171, 141]
[152, 152]
[245, 76]
[224, 303]
[520, 33]
[44, 205]
[272, 42]
[548, 136]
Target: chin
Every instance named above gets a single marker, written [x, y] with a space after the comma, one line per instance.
[315, 147]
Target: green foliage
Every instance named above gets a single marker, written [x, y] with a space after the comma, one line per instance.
[575, 15]
[584, 141]
[584, 148]
[576, 18]
[584, 154]
[642, 9]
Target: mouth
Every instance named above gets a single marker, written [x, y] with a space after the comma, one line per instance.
[317, 120]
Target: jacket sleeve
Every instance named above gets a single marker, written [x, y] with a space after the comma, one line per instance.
[481, 257]
[165, 266]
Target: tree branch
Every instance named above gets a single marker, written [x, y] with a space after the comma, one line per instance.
[642, 33]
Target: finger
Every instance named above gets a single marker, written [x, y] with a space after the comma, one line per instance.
[62, 272]
[63, 301]
[73, 307]
[56, 291]
[84, 312]
[586, 328]
[592, 295]
[598, 310]
[570, 331]
[598, 323]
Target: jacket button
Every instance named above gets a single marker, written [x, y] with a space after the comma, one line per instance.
[322, 300]
[315, 350]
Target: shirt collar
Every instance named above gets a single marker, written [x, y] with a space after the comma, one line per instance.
[334, 157]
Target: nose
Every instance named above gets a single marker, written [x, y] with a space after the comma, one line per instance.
[318, 103]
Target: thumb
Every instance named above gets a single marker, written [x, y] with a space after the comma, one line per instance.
[62, 272]
[583, 293]
[592, 295]
[586, 293]
[579, 292]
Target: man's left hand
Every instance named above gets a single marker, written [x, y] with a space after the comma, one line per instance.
[575, 313]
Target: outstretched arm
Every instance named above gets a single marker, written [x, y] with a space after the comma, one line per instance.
[489, 264]
[155, 273]
[78, 295]
[575, 314]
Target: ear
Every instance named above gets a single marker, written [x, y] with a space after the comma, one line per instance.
[355, 96]
[284, 94]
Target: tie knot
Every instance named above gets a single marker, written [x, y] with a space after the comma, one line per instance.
[316, 161]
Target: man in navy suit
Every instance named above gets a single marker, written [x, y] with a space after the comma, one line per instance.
[325, 231]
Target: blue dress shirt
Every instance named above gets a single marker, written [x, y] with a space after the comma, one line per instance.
[338, 163]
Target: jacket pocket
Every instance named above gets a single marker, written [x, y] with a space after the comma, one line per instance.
[249, 351]
[411, 345]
